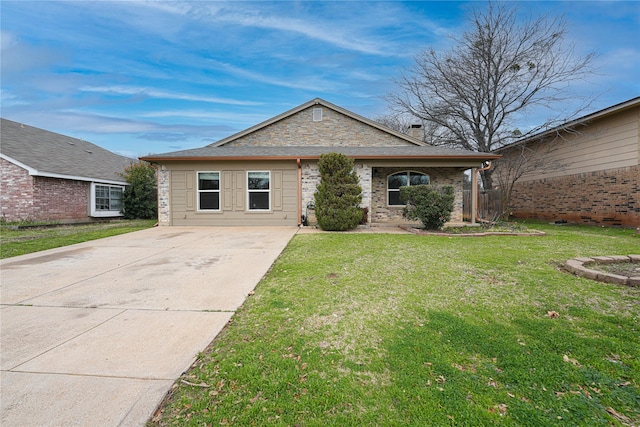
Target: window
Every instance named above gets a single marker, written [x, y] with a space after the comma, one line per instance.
[106, 200]
[259, 190]
[401, 179]
[208, 191]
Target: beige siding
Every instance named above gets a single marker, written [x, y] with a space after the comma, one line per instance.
[334, 130]
[233, 194]
[609, 143]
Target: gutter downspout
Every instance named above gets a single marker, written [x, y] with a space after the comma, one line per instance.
[476, 175]
[299, 192]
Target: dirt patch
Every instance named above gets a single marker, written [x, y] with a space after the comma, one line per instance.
[631, 269]
[472, 232]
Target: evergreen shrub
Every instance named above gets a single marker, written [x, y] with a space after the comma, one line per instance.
[338, 194]
[431, 205]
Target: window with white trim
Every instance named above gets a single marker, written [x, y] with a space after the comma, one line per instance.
[402, 179]
[259, 190]
[106, 200]
[208, 191]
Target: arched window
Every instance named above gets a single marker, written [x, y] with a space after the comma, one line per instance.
[401, 179]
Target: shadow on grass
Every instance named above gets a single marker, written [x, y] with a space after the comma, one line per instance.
[470, 371]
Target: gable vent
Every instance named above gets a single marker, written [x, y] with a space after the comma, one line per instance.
[317, 114]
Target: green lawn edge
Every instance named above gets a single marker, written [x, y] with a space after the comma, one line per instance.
[15, 241]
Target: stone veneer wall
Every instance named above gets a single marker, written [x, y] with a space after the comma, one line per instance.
[335, 130]
[439, 176]
[610, 197]
[24, 197]
[164, 195]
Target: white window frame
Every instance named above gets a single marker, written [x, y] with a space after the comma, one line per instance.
[198, 191]
[408, 182]
[99, 213]
[258, 191]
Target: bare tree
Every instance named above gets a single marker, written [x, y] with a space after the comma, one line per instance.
[499, 69]
[398, 122]
[403, 122]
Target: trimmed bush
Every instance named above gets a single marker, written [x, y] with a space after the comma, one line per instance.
[431, 205]
[339, 194]
[140, 198]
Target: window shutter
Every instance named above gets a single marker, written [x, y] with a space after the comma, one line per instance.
[238, 188]
[190, 184]
[227, 190]
[277, 190]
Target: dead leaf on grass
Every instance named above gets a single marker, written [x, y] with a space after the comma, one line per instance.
[620, 417]
[501, 409]
[570, 360]
[553, 314]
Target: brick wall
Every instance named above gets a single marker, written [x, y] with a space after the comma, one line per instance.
[335, 130]
[60, 199]
[16, 192]
[610, 197]
[27, 197]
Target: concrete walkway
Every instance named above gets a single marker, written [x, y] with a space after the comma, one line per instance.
[95, 334]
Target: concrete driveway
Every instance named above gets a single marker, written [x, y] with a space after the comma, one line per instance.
[95, 334]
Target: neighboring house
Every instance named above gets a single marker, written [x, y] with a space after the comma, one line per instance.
[48, 176]
[587, 170]
[267, 174]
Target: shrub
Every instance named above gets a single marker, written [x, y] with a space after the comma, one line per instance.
[431, 205]
[140, 198]
[339, 193]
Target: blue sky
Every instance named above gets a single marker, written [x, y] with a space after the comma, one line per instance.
[140, 77]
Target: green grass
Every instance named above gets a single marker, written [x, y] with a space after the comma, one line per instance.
[395, 330]
[14, 242]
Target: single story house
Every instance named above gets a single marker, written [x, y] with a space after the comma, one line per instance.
[267, 175]
[586, 171]
[48, 176]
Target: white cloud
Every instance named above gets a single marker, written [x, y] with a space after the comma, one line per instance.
[156, 93]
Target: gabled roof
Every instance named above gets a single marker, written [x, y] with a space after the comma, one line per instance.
[317, 102]
[50, 154]
[416, 149]
[571, 124]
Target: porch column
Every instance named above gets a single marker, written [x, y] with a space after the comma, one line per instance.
[365, 175]
[164, 195]
[474, 194]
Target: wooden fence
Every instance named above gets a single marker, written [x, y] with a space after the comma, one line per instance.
[489, 204]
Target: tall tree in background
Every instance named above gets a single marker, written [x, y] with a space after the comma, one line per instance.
[500, 69]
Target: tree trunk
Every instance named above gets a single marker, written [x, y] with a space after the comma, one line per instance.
[487, 179]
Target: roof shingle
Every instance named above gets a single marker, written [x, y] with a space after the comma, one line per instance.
[50, 153]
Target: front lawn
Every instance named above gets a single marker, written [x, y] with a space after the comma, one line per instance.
[20, 240]
[394, 330]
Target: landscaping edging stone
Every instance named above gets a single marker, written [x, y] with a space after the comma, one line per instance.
[579, 267]
[415, 230]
